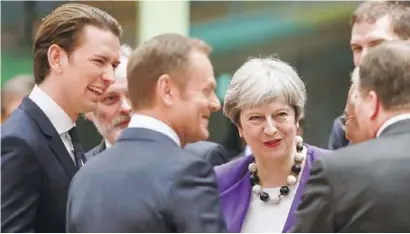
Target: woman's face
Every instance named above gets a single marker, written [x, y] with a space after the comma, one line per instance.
[269, 129]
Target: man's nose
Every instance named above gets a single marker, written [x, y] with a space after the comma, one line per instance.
[215, 104]
[125, 106]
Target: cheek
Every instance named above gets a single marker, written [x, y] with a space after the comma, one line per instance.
[106, 114]
[251, 134]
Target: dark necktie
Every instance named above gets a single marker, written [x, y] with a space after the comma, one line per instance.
[78, 150]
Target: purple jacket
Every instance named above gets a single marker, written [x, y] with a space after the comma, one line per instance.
[235, 189]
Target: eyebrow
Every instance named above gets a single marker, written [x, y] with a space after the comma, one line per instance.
[105, 58]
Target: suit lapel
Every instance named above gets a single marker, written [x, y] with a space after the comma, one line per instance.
[296, 200]
[235, 212]
[62, 155]
[50, 133]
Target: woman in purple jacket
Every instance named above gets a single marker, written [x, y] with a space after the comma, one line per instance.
[260, 192]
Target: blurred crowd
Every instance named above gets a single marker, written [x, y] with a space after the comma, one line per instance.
[155, 169]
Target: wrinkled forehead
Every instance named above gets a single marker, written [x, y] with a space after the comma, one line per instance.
[366, 32]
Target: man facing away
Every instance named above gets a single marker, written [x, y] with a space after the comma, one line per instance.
[113, 114]
[146, 182]
[373, 22]
[76, 49]
[364, 187]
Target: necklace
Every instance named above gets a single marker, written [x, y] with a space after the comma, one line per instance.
[291, 180]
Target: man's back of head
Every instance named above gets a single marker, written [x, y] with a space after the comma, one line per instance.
[384, 84]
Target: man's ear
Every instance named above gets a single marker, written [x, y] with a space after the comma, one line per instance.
[89, 116]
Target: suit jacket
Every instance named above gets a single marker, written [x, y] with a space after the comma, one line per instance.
[36, 171]
[361, 188]
[235, 189]
[210, 151]
[337, 138]
[144, 183]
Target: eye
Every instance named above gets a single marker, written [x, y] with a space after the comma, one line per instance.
[99, 62]
[109, 100]
[283, 114]
[255, 118]
[356, 49]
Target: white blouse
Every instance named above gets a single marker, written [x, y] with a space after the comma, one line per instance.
[266, 217]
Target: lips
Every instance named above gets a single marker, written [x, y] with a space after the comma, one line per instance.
[96, 90]
[122, 121]
[272, 143]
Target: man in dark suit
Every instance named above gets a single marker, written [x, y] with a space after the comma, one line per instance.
[40, 148]
[113, 114]
[372, 23]
[146, 182]
[364, 187]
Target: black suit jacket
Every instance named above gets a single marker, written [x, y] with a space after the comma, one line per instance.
[36, 171]
[360, 188]
[337, 138]
[144, 183]
[210, 151]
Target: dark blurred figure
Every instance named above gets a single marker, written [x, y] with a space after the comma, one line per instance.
[372, 23]
[13, 92]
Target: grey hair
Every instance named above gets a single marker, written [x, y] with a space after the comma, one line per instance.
[354, 77]
[121, 71]
[263, 80]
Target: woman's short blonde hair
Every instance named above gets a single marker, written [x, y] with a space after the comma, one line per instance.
[260, 81]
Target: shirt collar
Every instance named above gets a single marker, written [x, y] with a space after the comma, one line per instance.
[391, 121]
[57, 116]
[144, 121]
[107, 143]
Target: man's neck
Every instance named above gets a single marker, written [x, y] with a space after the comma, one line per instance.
[53, 91]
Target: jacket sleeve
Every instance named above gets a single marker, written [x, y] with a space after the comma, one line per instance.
[316, 212]
[194, 200]
[20, 185]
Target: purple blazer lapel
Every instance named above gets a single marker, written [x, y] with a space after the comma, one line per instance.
[312, 154]
[235, 203]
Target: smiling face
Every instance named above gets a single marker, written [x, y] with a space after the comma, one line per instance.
[88, 72]
[197, 100]
[269, 129]
[113, 112]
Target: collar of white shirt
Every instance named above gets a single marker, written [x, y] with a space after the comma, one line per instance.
[57, 116]
[107, 143]
[144, 121]
[391, 121]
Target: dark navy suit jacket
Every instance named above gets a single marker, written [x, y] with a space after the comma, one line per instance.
[36, 171]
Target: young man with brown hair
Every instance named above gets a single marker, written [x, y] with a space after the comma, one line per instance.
[76, 50]
[146, 182]
[373, 22]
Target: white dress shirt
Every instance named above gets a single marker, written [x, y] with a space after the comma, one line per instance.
[148, 122]
[391, 121]
[107, 144]
[57, 116]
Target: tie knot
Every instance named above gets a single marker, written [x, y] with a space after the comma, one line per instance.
[74, 134]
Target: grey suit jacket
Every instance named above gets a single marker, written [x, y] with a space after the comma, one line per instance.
[210, 151]
[360, 188]
[144, 183]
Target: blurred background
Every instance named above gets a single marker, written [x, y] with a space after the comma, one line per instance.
[311, 36]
